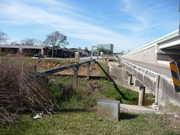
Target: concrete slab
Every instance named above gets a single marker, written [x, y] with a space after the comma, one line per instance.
[108, 109]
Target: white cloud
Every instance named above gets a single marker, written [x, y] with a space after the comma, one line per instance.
[140, 19]
[146, 15]
[72, 21]
[67, 23]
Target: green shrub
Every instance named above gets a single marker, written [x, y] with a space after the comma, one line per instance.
[67, 98]
[86, 95]
[109, 91]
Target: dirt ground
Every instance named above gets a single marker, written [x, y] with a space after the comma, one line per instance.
[47, 64]
[95, 70]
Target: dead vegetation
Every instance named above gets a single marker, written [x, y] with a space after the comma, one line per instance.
[21, 91]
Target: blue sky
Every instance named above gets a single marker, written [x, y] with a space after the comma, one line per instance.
[126, 23]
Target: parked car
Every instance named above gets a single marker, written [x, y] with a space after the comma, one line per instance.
[39, 55]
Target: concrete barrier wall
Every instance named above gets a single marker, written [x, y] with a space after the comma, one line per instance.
[119, 74]
[143, 79]
[166, 94]
[148, 55]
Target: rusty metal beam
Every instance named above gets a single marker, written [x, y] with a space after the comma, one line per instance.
[62, 68]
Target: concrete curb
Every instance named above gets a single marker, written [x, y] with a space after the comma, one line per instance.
[137, 109]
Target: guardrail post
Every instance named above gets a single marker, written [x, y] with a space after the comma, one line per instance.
[141, 95]
[77, 57]
[75, 70]
[88, 70]
[75, 78]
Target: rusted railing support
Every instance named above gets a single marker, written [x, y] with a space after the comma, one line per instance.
[62, 68]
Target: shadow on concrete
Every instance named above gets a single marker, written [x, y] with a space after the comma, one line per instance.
[126, 116]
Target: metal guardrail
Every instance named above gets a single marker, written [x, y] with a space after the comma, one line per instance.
[146, 73]
[76, 68]
[62, 68]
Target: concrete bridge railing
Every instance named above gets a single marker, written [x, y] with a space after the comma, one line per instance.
[145, 76]
[160, 85]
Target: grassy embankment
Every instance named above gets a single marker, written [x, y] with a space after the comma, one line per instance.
[89, 91]
[77, 117]
[87, 123]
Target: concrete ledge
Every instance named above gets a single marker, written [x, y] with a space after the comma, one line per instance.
[136, 109]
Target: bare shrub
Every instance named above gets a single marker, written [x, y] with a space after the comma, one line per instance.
[21, 91]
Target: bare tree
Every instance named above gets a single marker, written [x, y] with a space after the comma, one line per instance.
[15, 43]
[30, 42]
[3, 37]
[56, 40]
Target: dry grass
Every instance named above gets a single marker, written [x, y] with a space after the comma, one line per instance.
[21, 91]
